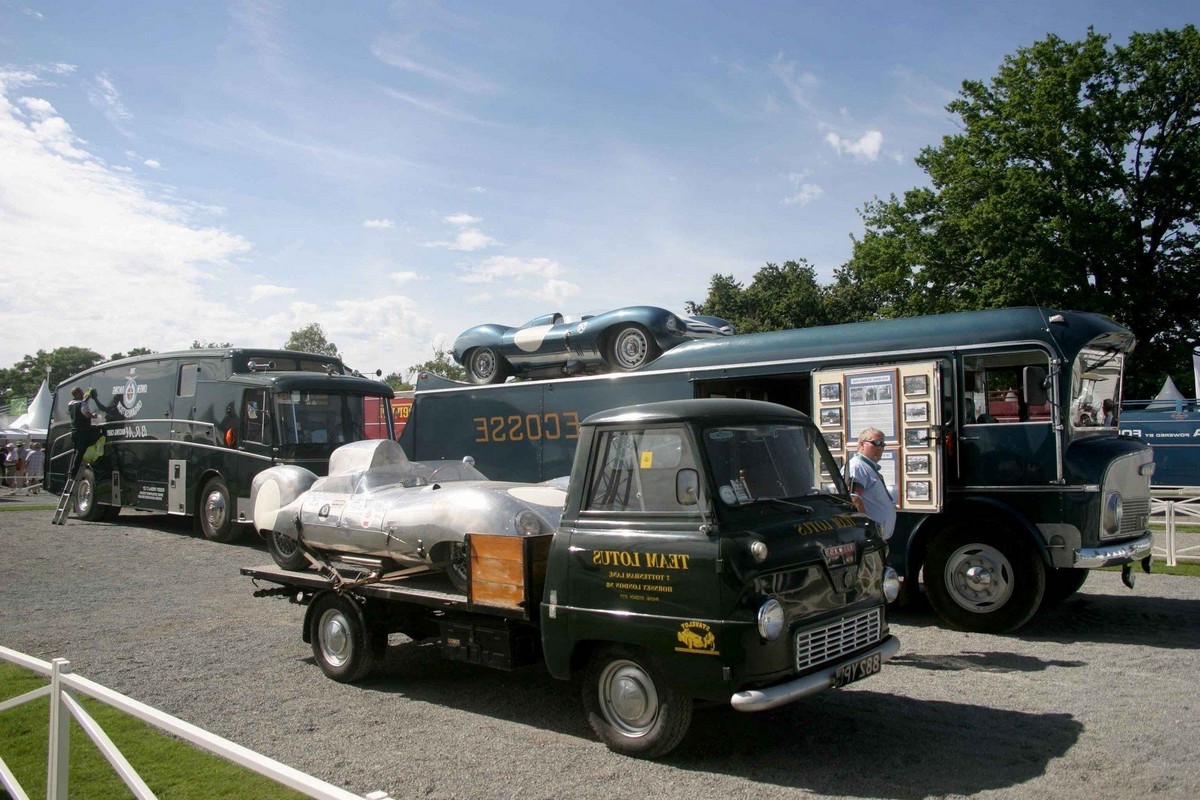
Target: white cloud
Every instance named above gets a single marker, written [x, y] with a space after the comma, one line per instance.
[404, 276]
[264, 290]
[153, 163]
[804, 193]
[462, 220]
[396, 51]
[535, 277]
[865, 148]
[433, 108]
[469, 239]
[799, 84]
[104, 96]
[378, 224]
[477, 190]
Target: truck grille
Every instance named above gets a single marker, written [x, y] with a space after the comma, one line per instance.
[818, 645]
[1135, 516]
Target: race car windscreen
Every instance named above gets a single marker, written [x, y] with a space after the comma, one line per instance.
[764, 462]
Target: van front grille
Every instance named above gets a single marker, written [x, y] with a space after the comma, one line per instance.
[818, 645]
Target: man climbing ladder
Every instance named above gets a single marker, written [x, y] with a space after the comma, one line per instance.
[83, 436]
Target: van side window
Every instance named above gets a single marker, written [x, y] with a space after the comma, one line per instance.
[187, 379]
[992, 388]
[256, 417]
[635, 471]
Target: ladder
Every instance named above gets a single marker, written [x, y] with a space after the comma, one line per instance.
[64, 502]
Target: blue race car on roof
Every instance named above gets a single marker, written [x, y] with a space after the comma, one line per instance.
[551, 345]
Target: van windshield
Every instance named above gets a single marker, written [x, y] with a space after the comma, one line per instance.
[769, 462]
[321, 418]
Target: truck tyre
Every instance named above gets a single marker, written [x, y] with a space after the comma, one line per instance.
[339, 637]
[216, 512]
[485, 365]
[286, 551]
[983, 577]
[1062, 583]
[86, 507]
[631, 705]
[631, 347]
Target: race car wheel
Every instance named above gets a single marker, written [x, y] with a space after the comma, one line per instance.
[983, 576]
[286, 551]
[632, 346]
[484, 365]
[86, 507]
[457, 571]
[216, 512]
[340, 640]
[631, 705]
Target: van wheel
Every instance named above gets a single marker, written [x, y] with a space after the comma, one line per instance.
[340, 643]
[983, 577]
[86, 507]
[216, 512]
[631, 705]
[631, 347]
[286, 551]
[1062, 583]
[485, 365]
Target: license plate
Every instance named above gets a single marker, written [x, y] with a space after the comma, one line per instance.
[857, 670]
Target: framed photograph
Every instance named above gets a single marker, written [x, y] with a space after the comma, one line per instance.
[916, 385]
[831, 392]
[917, 465]
[833, 440]
[831, 416]
[916, 412]
[837, 463]
[917, 491]
[916, 437]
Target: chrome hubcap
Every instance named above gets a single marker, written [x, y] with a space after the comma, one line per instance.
[335, 637]
[979, 578]
[214, 510]
[84, 497]
[627, 698]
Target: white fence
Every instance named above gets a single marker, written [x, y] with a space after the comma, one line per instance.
[1176, 507]
[63, 706]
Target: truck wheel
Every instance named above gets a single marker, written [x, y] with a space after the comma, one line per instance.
[216, 512]
[984, 578]
[86, 507]
[631, 347]
[485, 365]
[631, 705]
[457, 571]
[339, 638]
[1062, 583]
[286, 551]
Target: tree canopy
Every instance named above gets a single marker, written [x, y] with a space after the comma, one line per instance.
[23, 378]
[311, 339]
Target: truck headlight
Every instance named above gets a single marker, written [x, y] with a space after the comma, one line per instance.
[891, 585]
[1113, 512]
[527, 523]
[770, 620]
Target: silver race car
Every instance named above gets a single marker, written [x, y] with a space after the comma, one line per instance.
[376, 508]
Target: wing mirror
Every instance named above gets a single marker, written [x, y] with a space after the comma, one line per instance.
[687, 487]
[1034, 385]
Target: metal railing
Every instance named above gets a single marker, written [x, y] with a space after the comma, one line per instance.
[1170, 505]
[63, 706]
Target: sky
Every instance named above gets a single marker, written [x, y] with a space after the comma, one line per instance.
[399, 172]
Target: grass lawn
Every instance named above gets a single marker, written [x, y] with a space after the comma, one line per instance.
[170, 767]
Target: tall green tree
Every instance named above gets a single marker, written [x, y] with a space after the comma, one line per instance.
[442, 364]
[23, 378]
[778, 297]
[1073, 182]
[311, 339]
[198, 344]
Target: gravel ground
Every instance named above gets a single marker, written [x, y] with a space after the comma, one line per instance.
[1097, 698]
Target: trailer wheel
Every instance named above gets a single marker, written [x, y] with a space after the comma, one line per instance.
[458, 569]
[631, 347]
[286, 551]
[86, 507]
[338, 633]
[1062, 583]
[485, 365]
[983, 577]
[216, 512]
[631, 705]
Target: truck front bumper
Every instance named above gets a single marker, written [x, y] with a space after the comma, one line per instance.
[784, 693]
[1093, 557]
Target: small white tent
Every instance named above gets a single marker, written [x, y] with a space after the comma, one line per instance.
[1167, 396]
[36, 419]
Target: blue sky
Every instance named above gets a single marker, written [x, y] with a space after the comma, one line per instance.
[401, 171]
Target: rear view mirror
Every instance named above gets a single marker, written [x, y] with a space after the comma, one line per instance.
[687, 487]
[1034, 385]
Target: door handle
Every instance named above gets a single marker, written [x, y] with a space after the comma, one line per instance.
[968, 438]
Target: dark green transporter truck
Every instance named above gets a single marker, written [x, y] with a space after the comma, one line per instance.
[698, 559]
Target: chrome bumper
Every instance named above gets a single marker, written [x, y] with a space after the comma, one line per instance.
[784, 693]
[1093, 557]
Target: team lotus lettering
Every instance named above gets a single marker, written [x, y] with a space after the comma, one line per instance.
[625, 558]
[696, 637]
[531, 427]
[823, 525]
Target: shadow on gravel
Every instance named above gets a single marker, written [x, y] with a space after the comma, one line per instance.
[979, 662]
[848, 743]
[172, 524]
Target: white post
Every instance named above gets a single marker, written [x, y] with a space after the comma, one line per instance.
[1171, 533]
[60, 734]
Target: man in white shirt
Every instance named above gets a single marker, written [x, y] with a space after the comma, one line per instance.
[867, 489]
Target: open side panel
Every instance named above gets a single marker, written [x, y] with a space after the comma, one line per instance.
[508, 571]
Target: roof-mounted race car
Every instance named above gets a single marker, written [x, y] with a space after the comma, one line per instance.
[552, 346]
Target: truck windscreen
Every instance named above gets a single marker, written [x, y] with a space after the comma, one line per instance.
[319, 418]
[762, 462]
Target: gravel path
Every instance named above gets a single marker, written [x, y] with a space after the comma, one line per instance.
[1097, 698]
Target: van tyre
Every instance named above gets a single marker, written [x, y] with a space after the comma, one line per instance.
[984, 577]
[286, 551]
[86, 507]
[1062, 583]
[485, 365]
[631, 347]
[216, 512]
[631, 705]
[341, 643]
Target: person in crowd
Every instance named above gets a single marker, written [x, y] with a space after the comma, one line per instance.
[10, 464]
[867, 489]
[22, 464]
[33, 468]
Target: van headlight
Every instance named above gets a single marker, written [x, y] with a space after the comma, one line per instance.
[527, 523]
[891, 585]
[770, 620]
[1113, 512]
